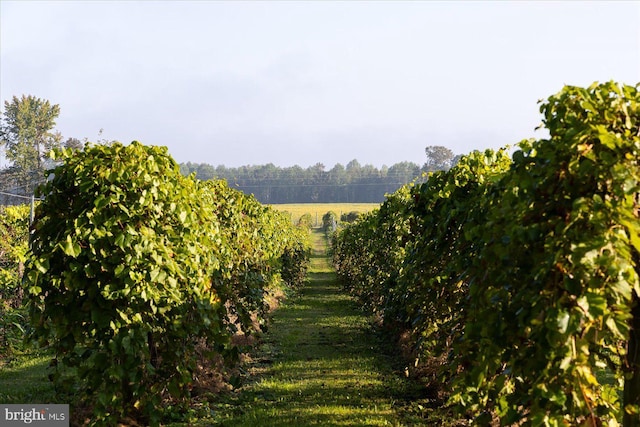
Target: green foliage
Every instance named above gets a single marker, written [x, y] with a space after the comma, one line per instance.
[368, 254]
[13, 324]
[430, 288]
[295, 263]
[330, 222]
[306, 221]
[14, 236]
[262, 243]
[312, 185]
[349, 216]
[523, 275]
[556, 278]
[438, 158]
[324, 366]
[26, 131]
[133, 267]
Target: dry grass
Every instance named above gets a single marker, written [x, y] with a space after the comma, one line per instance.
[317, 210]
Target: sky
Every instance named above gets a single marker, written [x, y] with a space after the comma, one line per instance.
[300, 83]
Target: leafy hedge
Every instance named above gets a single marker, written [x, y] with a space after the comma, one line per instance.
[14, 238]
[133, 266]
[522, 275]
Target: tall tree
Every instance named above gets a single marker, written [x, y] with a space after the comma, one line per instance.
[73, 143]
[26, 131]
[438, 158]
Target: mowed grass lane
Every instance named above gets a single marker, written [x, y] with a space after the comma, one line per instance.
[320, 364]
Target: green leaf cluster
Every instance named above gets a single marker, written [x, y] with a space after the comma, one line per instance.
[368, 254]
[523, 275]
[134, 267]
[14, 238]
[26, 131]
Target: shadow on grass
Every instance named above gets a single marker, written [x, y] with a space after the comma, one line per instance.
[25, 380]
[320, 364]
[318, 255]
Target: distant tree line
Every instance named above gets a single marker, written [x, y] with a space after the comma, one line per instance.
[353, 183]
[27, 134]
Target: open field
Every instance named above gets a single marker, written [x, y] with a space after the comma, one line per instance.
[317, 210]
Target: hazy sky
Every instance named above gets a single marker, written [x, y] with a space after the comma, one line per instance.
[295, 82]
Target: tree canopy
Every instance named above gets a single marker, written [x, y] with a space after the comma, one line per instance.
[438, 158]
[353, 183]
[26, 132]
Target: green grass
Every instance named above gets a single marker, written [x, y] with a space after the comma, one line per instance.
[24, 380]
[321, 363]
[317, 210]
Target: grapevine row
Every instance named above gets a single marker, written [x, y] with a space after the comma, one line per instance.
[520, 274]
[135, 270]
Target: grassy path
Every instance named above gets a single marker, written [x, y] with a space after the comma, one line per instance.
[319, 364]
